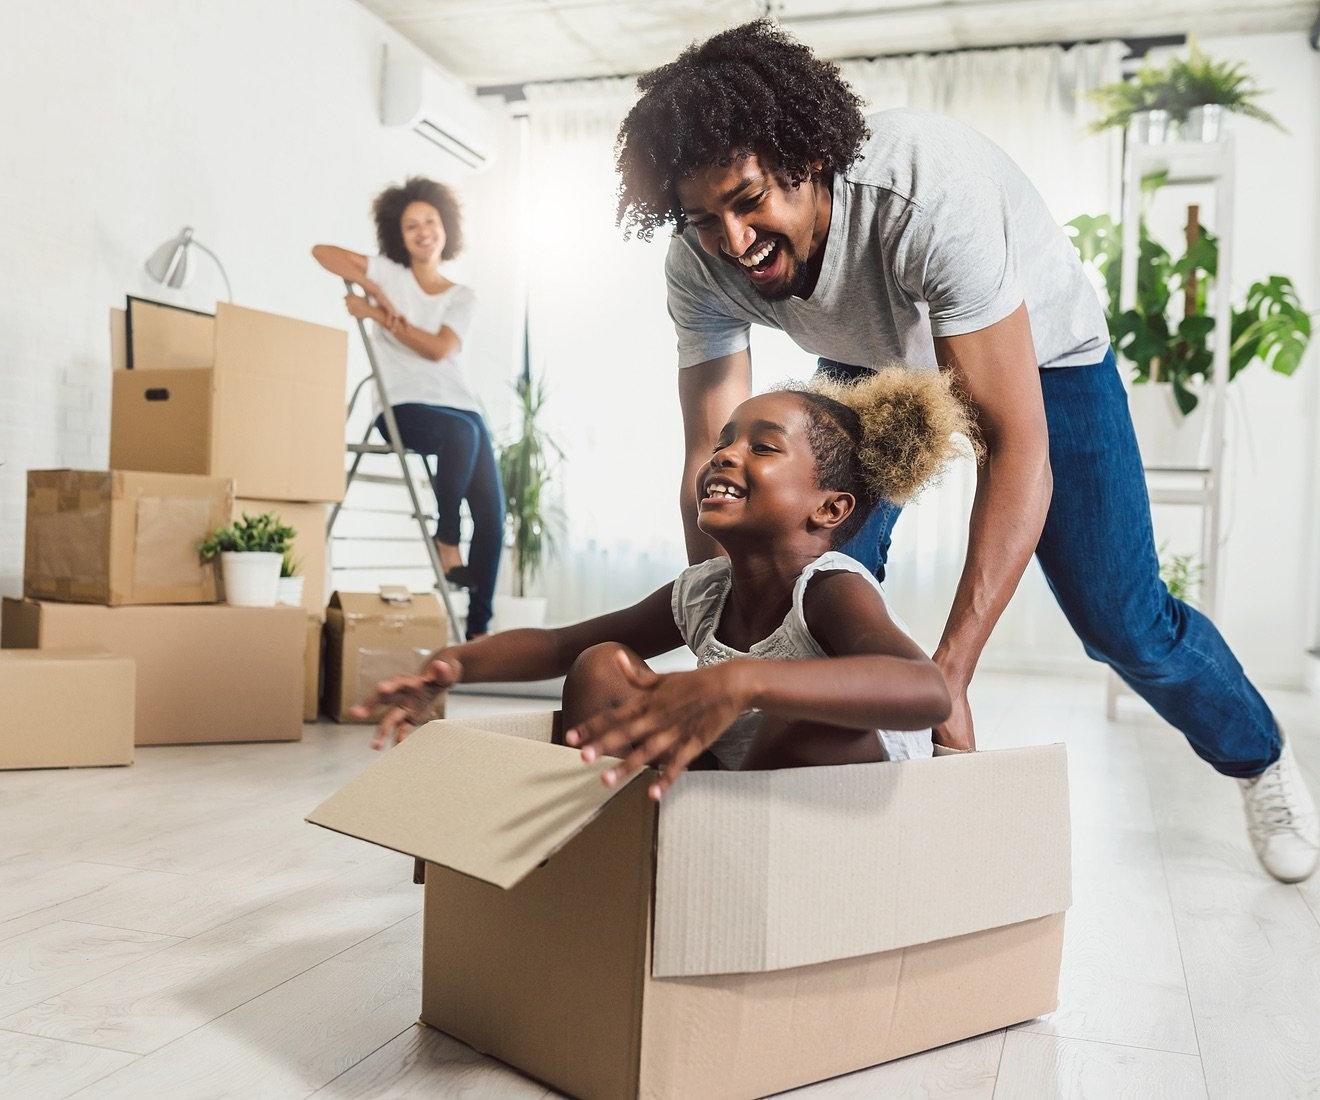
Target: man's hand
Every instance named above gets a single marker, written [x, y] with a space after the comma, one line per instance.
[672, 720]
[410, 700]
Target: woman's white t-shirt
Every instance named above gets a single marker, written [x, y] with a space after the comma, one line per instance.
[411, 378]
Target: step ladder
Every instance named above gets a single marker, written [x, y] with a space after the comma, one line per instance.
[392, 446]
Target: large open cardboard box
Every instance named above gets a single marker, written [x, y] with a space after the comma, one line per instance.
[120, 537]
[754, 932]
[245, 395]
[205, 672]
[65, 709]
[370, 636]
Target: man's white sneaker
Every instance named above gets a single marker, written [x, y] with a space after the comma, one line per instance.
[1281, 819]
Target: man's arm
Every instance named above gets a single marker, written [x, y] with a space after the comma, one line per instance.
[707, 393]
[995, 370]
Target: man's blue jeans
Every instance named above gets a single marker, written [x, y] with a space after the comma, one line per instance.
[1097, 551]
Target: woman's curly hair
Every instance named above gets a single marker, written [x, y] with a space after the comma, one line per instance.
[388, 210]
[884, 437]
[748, 89]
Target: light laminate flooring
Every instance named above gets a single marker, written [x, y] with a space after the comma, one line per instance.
[175, 929]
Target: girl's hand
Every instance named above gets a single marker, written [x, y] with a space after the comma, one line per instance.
[409, 698]
[672, 720]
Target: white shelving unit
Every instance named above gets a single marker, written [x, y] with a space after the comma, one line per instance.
[1209, 164]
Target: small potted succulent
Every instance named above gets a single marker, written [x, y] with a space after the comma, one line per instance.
[291, 579]
[251, 551]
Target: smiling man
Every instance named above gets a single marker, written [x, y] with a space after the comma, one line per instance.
[910, 237]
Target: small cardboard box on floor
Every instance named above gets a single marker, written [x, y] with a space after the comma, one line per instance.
[205, 672]
[243, 394]
[754, 932]
[370, 636]
[65, 709]
[119, 537]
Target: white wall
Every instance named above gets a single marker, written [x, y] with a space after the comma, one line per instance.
[254, 122]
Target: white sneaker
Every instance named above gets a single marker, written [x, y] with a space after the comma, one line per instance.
[1281, 819]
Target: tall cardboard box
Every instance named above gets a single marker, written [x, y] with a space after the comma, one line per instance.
[205, 672]
[308, 546]
[65, 709]
[370, 636]
[312, 669]
[754, 932]
[245, 395]
[118, 537]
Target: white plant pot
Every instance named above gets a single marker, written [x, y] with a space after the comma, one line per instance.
[251, 578]
[519, 612]
[1205, 123]
[1166, 437]
[1152, 128]
[290, 591]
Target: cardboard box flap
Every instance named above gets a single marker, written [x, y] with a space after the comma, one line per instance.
[481, 803]
[162, 336]
[918, 851]
[388, 605]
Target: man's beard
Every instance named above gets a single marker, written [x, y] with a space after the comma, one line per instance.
[795, 283]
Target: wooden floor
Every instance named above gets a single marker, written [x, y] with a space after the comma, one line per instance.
[174, 929]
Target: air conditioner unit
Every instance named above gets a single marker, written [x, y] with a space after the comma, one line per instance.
[436, 106]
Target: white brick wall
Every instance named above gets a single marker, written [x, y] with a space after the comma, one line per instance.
[124, 120]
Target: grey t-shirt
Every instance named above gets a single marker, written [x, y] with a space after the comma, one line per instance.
[934, 231]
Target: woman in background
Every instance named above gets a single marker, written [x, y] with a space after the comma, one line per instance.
[421, 318]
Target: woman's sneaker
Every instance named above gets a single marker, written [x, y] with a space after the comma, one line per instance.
[1281, 819]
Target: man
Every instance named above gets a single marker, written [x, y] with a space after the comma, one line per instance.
[911, 237]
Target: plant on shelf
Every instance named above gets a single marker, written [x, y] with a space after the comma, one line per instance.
[1182, 574]
[1185, 83]
[1174, 345]
[289, 565]
[251, 534]
[527, 464]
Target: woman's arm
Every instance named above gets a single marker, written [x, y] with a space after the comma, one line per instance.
[340, 261]
[876, 677]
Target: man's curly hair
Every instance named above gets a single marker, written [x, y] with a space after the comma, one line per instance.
[388, 210]
[751, 89]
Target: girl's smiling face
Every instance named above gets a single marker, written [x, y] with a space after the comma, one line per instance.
[762, 478]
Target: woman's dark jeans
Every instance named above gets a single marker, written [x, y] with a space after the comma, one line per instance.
[1097, 552]
[465, 469]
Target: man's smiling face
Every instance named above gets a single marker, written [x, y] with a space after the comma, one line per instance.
[756, 220]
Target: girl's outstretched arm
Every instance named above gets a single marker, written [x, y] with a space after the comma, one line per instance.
[647, 628]
[875, 678]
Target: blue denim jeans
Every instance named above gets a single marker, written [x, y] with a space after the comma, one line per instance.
[465, 469]
[1097, 551]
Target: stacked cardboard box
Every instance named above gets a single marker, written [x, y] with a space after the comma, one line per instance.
[211, 416]
[253, 395]
[765, 929]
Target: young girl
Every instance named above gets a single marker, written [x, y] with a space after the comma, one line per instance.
[799, 660]
[421, 320]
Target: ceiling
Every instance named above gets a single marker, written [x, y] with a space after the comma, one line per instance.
[499, 42]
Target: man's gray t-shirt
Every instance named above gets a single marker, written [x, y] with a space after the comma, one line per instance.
[934, 231]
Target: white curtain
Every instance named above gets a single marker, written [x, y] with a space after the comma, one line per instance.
[601, 338]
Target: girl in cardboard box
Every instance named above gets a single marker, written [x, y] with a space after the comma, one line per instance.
[799, 659]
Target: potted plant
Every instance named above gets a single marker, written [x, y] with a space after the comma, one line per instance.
[1167, 336]
[290, 587]
[1188, 97]
[527, 464]
[1182, 574]
[250, 552]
